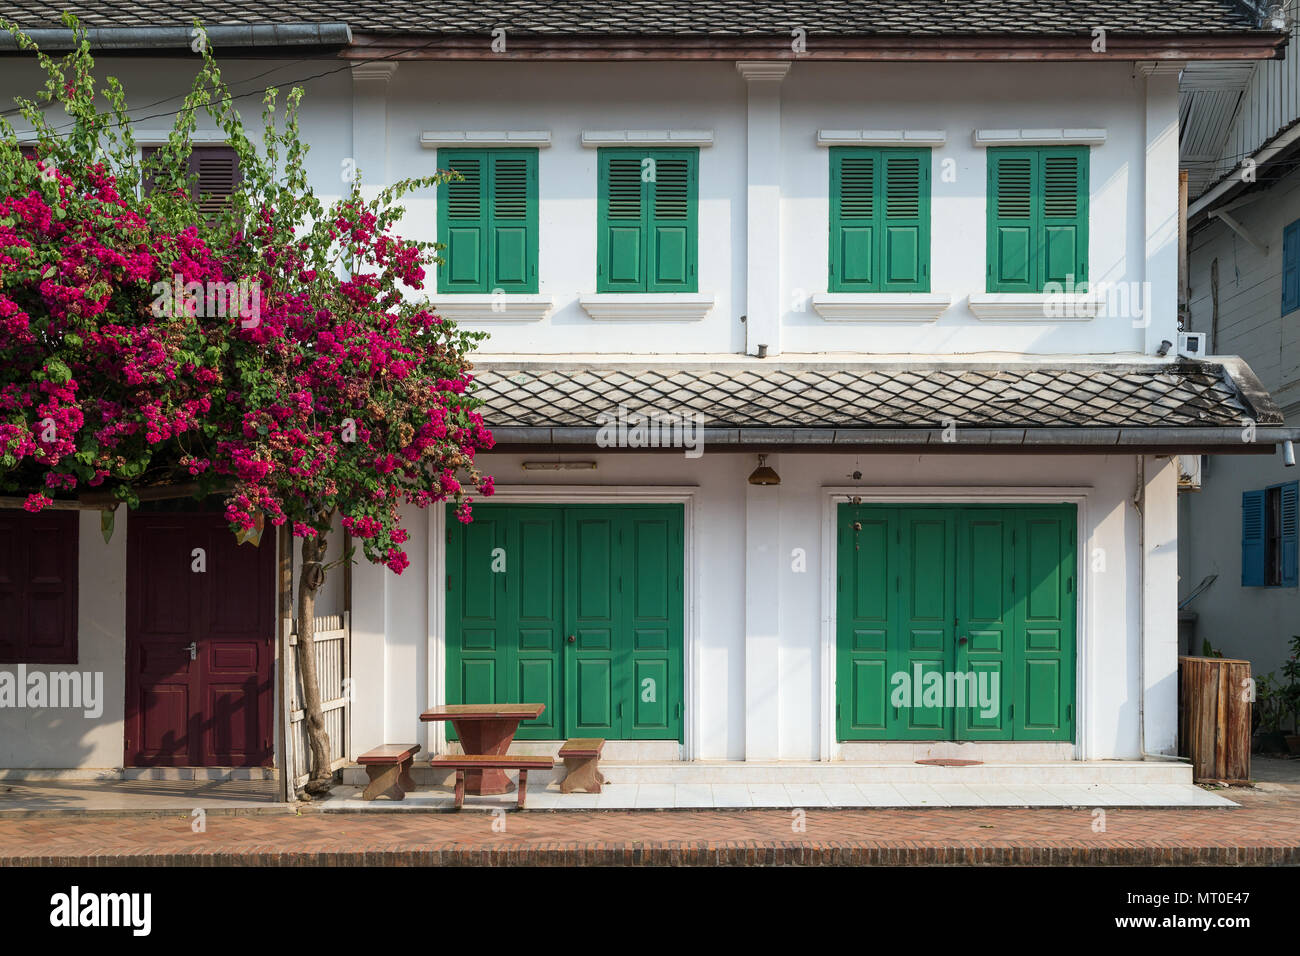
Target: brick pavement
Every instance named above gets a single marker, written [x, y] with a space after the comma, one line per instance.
[1264, 830]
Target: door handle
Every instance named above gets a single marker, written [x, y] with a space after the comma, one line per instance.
[193, 648]
[961, 640]
[572, 639]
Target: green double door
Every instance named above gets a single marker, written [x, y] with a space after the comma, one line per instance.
[578, 607]
[955, 622]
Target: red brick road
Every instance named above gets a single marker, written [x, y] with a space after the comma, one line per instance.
[1265, 830]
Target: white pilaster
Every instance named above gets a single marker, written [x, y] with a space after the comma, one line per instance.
[763, 206]
[762, 619]
[370, 123]
[1160, 605]
[1160, 221]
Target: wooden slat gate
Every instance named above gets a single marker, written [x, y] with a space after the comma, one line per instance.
[333, 669]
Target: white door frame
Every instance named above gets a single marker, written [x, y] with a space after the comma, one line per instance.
[1078, 495]
[573, 495]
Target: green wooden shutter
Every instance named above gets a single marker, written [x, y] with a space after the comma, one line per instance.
[512, 220]
[621, 220]
[534, 596]
[905, 226]
[1037, 217]
[1253, 538]
[927, 598]
[853, 220]
[462, 222]
[647, 221]
[671, 221]
[592, 569]
[1013, 220]
[1064, 241]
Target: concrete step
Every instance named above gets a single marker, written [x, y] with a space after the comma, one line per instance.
[1075, 772]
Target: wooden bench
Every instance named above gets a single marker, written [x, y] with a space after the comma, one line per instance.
[582, 761]
[471, 762]
[389, 770]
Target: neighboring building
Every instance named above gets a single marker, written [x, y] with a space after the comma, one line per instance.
[1240, 147]
[846, 249]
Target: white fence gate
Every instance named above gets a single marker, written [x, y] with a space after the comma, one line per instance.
[333, 667]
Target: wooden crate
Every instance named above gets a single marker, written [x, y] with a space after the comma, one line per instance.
[1214, 718]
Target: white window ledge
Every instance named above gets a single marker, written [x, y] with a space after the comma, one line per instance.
[881, 137]
[595, 138]
[510, 307]
[433, 138]
[1034, 307]
[647, 307]
[881, 306]
[1039, 137]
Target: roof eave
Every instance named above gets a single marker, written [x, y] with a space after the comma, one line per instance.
[1158, 440]
[1244, 45]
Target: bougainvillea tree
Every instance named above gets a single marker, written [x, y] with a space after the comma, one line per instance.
[278, 351]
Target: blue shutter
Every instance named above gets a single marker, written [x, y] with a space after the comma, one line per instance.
[1252, 539]
[1290, 520]
[1291, 267]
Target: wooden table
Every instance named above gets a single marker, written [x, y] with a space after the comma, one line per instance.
[486, 730]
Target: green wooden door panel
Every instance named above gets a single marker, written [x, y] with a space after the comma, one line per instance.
[591, 572]
[522, 578]
[534, 543]
[652, 571]
[926, 622]
[1046, 625]
[913, 581]
[866, 624]
[985, 612]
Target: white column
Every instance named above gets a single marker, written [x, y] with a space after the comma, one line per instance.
[370, 123]
[762, 618]
[1160, 191]
[1160, 606]
[763, 206]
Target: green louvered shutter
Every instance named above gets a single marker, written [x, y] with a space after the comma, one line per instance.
[853, 220]
[512, 221]
[905, 229]
[671, 220]
[1064, 240]
[621, 242]
[1013, 220]
[462, 222]
[647, 239]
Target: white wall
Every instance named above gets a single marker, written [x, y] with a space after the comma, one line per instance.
[1251, 623]
[1138, 113]
[393, 615]
[53, 739]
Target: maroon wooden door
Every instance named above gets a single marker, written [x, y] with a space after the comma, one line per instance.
[200, 617]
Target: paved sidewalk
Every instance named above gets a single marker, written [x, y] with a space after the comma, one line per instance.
[1265, 829]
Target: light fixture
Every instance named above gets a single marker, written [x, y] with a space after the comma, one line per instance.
[559, 466]
[763, 475]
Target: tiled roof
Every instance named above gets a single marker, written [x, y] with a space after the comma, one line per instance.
[671, 17]
[525, 397]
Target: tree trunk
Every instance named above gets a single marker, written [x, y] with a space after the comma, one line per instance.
[309, 582]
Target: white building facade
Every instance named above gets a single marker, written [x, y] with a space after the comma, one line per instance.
[938, 297]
